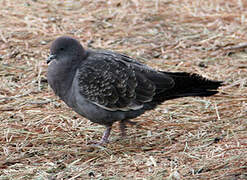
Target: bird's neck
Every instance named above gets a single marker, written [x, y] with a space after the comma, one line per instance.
[61, 78]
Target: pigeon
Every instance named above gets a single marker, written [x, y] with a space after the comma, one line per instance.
[106, 87]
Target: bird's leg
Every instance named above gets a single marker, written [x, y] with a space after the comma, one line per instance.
[123, 126]
[106, 134]
[130, 122]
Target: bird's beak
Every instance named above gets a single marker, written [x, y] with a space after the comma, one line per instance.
[50, 58]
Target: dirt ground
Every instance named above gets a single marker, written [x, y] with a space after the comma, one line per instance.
[187, 138]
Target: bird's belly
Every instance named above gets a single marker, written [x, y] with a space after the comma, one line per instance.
[97, 114]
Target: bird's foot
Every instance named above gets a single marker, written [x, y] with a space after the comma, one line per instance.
[105, 138]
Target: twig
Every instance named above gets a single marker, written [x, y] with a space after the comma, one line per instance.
[238, 46]
[217, 112]
[14, 97]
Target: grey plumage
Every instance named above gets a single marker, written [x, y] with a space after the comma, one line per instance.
[106, 87]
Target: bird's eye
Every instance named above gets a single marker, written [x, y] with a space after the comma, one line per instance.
[61, 49]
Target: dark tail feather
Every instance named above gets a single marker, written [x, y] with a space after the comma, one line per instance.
[187, 84]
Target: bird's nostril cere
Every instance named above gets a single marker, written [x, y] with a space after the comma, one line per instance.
[50, 58]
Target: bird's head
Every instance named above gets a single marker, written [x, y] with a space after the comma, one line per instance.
[66, 48]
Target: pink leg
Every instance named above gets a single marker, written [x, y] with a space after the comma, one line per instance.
[106, 134]
[123, 126]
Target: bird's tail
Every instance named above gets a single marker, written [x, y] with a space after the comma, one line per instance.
[187, 84]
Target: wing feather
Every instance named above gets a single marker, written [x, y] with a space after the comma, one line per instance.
[113, 84]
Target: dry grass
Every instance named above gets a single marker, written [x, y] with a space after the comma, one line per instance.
[188, 138]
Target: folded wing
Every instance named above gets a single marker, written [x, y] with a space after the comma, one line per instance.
[114, 84]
